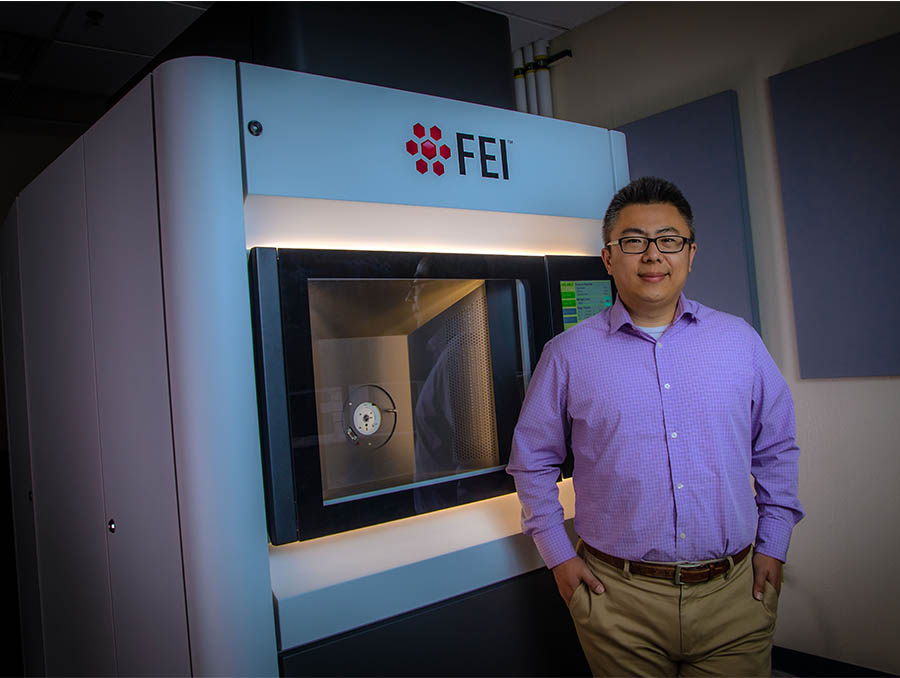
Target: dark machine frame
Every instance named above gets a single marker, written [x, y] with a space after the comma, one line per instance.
[286, 392]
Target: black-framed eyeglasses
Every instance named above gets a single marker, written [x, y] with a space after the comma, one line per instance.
[638, 244]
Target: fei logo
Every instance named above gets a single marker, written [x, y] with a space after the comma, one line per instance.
[427, 148]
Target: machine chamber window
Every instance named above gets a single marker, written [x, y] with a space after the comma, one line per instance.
[407, 375]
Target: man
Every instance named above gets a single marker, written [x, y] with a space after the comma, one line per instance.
[669, 408]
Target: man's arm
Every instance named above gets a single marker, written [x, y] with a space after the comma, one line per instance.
[539, 447]
[775, 469]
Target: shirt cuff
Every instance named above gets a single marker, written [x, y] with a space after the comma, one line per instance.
[554, 545]
[773, 537]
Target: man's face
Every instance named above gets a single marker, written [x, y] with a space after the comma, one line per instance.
[649, 284]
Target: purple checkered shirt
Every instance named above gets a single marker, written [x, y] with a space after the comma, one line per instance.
[665, 434]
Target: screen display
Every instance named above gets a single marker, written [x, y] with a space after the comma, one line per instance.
[583, 298]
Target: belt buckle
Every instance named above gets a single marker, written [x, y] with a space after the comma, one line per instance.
[683, 566]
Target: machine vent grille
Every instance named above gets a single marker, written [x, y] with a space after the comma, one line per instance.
[470, 382]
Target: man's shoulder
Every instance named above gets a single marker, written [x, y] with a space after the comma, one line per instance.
[582, 339]
[589, 331]
[728, 332]
[721, 321]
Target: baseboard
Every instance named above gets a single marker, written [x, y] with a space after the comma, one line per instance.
[803, 664]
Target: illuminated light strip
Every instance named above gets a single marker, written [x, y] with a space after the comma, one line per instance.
[310, 223]
[409, 247]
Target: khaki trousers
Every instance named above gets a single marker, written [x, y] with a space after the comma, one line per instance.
[651, 627]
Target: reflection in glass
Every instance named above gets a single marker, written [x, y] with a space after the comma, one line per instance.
[404, 382]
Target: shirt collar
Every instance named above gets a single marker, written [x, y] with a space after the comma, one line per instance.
[619, 316]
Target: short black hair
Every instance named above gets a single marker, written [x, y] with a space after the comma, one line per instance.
[647, 191]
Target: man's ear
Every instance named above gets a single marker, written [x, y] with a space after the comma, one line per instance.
[691, 256]
[607, 261]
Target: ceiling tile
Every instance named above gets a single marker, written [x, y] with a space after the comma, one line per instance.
[86, 69]
[35, 19]
[15, 52]
[137, 27]
[566, 15]
[523, 32]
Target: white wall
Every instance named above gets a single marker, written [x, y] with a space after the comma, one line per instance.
[840, 598]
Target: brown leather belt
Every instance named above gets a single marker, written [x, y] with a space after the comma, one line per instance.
[677, 574]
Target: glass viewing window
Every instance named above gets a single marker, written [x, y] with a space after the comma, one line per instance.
[404, 382]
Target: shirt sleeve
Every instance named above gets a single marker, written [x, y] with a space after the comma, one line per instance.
[538, 449]
[775, 456]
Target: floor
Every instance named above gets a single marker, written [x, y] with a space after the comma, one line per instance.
[799, 664]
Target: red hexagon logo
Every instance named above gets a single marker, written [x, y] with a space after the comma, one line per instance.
[427, 151]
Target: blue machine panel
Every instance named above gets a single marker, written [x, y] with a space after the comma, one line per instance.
[334, 139]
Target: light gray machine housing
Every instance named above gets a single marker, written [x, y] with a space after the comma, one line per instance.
[132, 397]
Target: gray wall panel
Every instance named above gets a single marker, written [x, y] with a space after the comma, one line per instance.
[133, 391]
[65, 448]
[838, 143]
[698, 147]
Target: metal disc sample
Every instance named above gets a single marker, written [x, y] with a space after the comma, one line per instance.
[367, 419]
[370, 416]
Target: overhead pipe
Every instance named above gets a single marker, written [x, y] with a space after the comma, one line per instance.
[530, 86]
[519, 81]
[542, 78]
[531, 77]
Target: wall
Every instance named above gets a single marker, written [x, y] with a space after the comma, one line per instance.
[840, 598]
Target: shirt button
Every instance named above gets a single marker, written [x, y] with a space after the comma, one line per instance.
[680, 486]
[683, 535]
[667, 386]
[674, 435]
